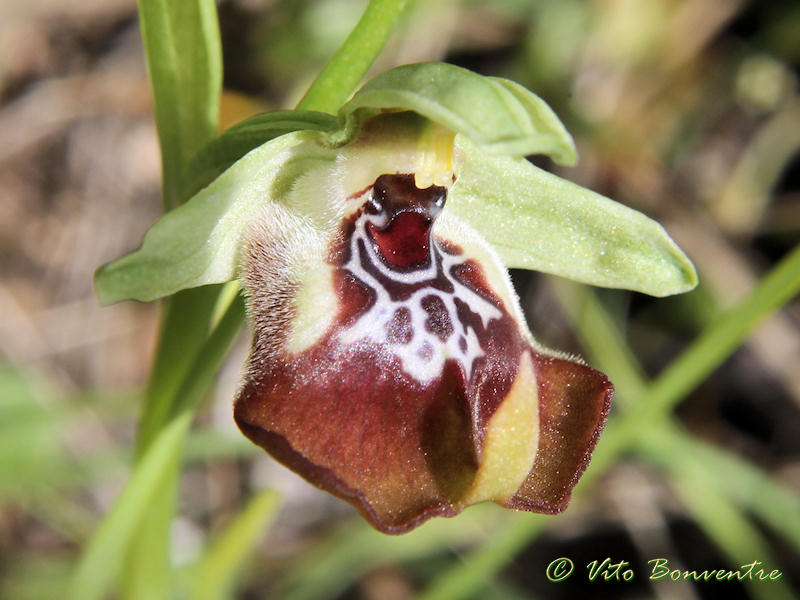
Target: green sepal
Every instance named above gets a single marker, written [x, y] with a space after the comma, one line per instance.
[500, 115]
[219, 154]
[536, 220]
[199, 243]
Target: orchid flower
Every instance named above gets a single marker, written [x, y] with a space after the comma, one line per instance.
[391, 364]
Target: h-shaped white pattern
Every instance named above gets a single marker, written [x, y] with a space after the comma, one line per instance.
[422, 357]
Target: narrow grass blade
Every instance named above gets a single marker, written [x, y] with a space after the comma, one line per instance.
[217, 570]
[733, 534]
[664, 441]
[102, 560]
[331, 566]
[713, 346]
[464, 579]
[104, 557]
[148, 568]
[750, 487]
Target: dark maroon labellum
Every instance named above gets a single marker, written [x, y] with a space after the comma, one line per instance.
[394, 407]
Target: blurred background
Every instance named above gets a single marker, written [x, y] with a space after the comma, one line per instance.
[687, 110]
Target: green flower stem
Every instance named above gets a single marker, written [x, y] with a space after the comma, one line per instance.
[184, 327]
[719, 340]
[336, 82]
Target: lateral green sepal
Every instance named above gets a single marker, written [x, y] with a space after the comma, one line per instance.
[199, 243]
[536, 220]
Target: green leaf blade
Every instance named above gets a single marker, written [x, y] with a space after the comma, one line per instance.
[184, 59]
[501, 116]
[103, 559]
[217, 570]
[536, 220]
[219, 154]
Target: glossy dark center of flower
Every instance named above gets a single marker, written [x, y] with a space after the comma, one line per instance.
[403, 215]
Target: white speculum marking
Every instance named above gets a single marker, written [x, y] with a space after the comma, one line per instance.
[422, 357]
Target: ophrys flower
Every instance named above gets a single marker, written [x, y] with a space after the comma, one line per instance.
[391, 364]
